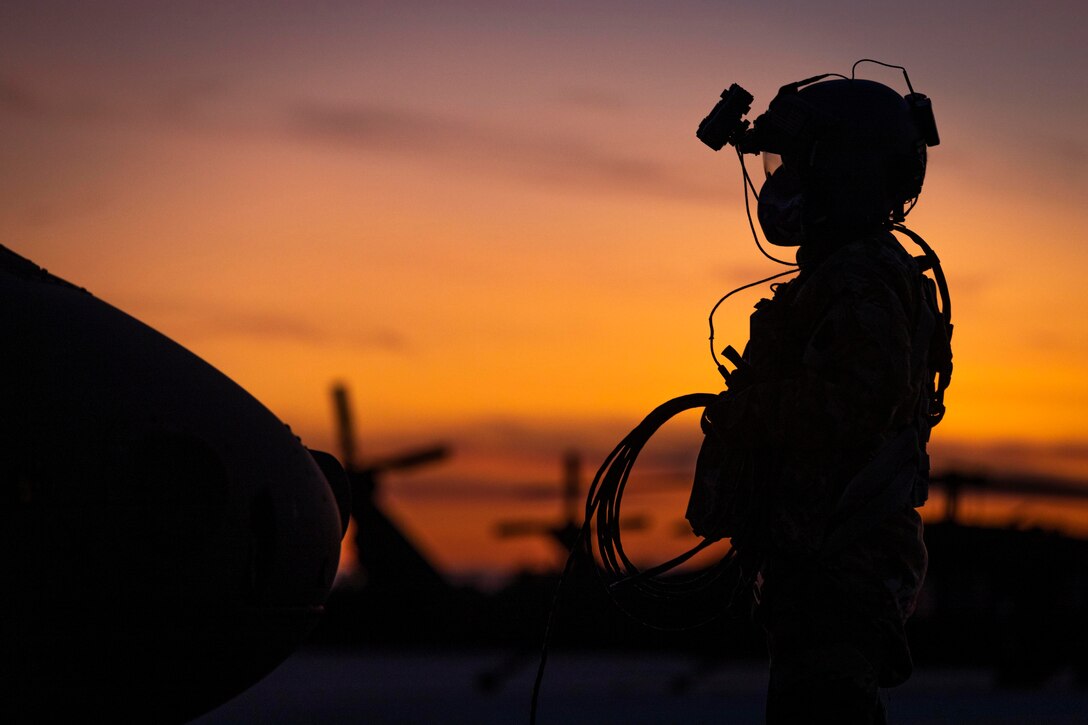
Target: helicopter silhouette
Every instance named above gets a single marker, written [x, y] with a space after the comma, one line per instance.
[1013, 597]
[387, 557]
[566, 531]
[397, 597]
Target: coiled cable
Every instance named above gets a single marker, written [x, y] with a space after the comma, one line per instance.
[618, 573]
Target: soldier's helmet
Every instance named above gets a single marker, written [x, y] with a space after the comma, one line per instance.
[854, 150]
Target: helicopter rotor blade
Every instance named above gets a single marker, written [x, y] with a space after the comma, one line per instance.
[411, 459]
[345, 427]
[1017, 485]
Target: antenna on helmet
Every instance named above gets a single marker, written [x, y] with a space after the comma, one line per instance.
[921, 108]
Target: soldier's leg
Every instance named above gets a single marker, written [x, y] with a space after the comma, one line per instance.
[832, 684]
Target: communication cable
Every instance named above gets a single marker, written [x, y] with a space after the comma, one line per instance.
[603, 506]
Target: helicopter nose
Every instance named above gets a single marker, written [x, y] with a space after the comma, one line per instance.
[337, 479]
[154, 517]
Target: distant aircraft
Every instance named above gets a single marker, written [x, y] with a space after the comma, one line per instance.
[398, 596]
[387, 557]
[955, 483]
[564, 532]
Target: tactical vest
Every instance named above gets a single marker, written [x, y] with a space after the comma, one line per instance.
[729, 496]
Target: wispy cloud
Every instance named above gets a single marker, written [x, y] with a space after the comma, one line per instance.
[18, 99]
[198, 101]
[379, 128]
[595, 100]
[1064, 459]
[23, 99]
[205, 320]
[525, 154]
[273, 325]
[545, 160]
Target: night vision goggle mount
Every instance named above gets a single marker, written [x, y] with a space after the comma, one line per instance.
[789, 117]
[725, 124]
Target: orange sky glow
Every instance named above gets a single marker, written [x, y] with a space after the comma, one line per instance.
[494, 223]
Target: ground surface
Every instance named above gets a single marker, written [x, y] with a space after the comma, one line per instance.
[427, 688]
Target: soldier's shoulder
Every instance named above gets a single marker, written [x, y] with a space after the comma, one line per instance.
[859, 266]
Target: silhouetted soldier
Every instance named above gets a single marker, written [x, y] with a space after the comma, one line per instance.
[826, 419]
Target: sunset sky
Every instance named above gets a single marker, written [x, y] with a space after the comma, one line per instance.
[493, 220]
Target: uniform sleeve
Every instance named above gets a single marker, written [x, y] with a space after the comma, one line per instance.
[853, 376]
